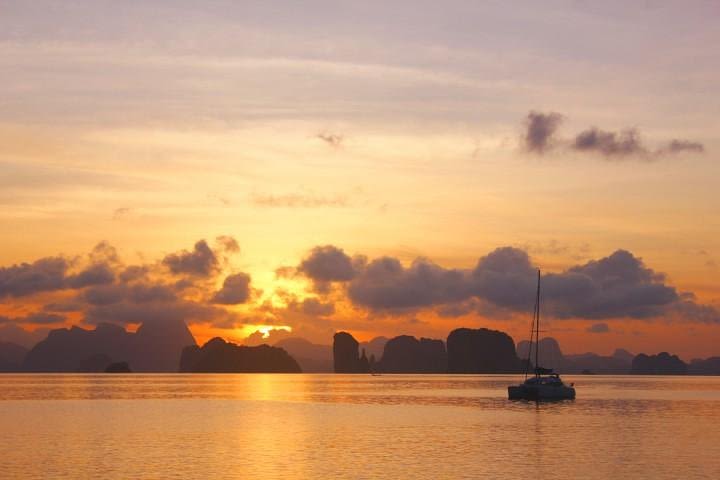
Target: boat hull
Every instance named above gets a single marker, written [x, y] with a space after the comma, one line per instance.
[541, 392]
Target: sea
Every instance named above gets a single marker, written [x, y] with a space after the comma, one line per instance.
[315, 426]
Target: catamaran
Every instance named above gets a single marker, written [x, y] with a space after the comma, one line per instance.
[545, 384]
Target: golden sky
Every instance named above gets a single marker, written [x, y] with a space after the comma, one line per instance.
[399, 131]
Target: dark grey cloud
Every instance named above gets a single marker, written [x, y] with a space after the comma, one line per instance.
[689, 310]
[540, 129]
[617, 286]
[313, 307]
[45, 274]
[42, 318]
[679, 146]
[328, 264]
[598, 328]
[610, 144]
[37, 318]
[386, 284]
[137, 293]
[133, 313]
[63, 307]
[133, 272]
[235, 290]
[201, 261]
[96, 274]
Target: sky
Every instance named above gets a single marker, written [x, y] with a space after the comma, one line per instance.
[363, 166]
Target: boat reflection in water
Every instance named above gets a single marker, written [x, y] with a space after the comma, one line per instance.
[545, 384]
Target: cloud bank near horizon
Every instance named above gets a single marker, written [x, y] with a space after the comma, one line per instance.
[200, 287]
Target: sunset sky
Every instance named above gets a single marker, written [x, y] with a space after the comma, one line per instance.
[374, 167]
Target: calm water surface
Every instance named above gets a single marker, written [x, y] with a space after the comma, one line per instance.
[337, 426]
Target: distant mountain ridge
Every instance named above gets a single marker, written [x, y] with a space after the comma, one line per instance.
[551, 356]
[155, 347]
[311, 357]
[11, 356]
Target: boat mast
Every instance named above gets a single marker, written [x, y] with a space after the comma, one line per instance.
[537, 325]
[534, 327]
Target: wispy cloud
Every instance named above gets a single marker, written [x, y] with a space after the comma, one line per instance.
[297, 200]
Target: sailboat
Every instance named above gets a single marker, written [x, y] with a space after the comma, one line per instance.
[545, 384]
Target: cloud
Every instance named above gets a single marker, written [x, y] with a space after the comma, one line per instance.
[138, 293]
[328, 264]
[101, 288]
[37, 318]
[235, 290]
[540, 128]
[181, 310]
[97, 274]
[62, 307]
[610, 144]
[678, 146]
[332, 139]
[313, 307]
[228, 243]
[598, 328]
[45, 274]
[689, 311]
[121, 213]
[617, 286]
[270, 337]
[297, 200]
[201, 261]
[133, 272]
[285, 271]
[386, 284]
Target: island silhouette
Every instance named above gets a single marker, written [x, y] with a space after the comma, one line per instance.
[169, 346]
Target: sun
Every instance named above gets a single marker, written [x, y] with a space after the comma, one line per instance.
[247, 330]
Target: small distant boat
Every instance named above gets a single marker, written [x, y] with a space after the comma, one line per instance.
[544, 384]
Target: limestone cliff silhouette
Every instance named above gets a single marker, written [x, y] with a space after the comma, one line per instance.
[155, 347]
[661, 364]
[481, 351]
[550, 354]
[11, 356]
[345, 355]
[219, 356]
[311, 357]
[407, 354]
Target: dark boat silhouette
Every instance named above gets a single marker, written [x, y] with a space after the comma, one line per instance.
[545, 384]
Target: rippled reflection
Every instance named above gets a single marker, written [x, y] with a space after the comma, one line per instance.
[336, 426]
